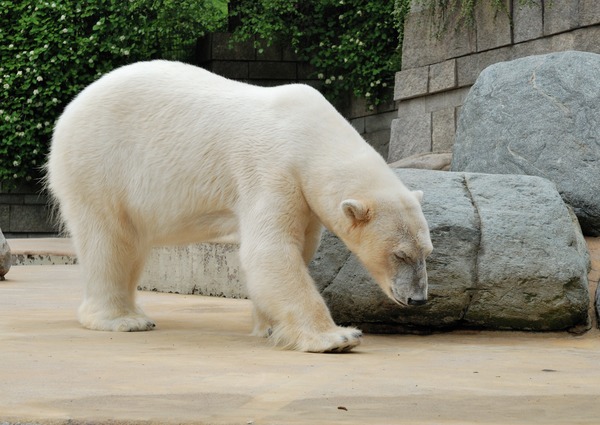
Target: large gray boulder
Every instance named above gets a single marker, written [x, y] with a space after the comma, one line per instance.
[5, 256]
[540, 116]
[508, 254]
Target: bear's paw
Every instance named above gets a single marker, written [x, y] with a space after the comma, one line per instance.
[134, 321]
[338, 340]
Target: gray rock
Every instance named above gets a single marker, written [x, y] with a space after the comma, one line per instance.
[538, 116]
[508, 254]
[5, 256]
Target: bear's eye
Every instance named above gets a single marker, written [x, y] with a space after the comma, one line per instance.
[401, 256]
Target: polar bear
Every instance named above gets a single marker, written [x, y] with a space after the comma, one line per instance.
[161, 152]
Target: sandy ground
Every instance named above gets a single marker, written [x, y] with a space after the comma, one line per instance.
[201, 366]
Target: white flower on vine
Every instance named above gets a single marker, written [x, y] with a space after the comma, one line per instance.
[39, 78]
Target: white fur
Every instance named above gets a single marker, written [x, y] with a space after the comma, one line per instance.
[160, 152]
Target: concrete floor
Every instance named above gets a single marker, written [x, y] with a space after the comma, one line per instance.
[201, 366]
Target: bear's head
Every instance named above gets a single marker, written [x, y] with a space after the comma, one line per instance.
[390, 236]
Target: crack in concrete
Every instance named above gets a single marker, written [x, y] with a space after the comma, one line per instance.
[475, 277]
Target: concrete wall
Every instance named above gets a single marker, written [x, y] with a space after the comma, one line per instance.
[437, 72]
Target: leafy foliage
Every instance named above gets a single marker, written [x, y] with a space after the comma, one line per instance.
[50, 50]
[462, 10]
[352, 44]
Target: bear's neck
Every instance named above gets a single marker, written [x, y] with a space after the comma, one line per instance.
[327, 184]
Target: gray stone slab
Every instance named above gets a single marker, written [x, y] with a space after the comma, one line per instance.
[560, 16]
[4, 217]
[422, 46]
[493, 26]
[205, 269]
[586, 39]
[380, 140]
[442, 76]
[443, 130]
[589, 12]
[379, 122]
[526, 260]
[31, 218]
[238, 70]
[469, 67]
[410, 134]
[528, 21]
[411, 83]
[273, 70]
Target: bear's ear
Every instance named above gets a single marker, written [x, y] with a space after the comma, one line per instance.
[356, 211]
[419, 195]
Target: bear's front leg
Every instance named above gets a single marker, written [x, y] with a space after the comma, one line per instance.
[285, 296]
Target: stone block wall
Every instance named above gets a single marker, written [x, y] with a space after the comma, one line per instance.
[437, 72]
[268, 66]
[24, 212]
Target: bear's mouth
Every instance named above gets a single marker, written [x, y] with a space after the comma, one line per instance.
[402, 302]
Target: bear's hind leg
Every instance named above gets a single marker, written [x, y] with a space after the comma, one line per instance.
[111, 260]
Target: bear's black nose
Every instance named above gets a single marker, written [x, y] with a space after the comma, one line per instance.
[416, 302]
